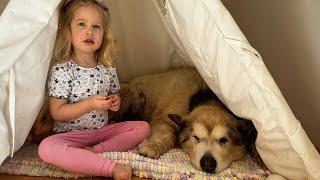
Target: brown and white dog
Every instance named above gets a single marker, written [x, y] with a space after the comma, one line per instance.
[212, 136]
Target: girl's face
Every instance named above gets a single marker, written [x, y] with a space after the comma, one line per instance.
[86, 30]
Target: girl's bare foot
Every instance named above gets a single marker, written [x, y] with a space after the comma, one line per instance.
[89, 148]
[121, 172]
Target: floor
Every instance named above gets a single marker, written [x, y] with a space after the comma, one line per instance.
[12, 177]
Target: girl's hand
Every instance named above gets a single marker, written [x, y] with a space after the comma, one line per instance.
[115, 105]
[99, 102]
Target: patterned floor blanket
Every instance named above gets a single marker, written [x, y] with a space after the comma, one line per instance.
[171, 165]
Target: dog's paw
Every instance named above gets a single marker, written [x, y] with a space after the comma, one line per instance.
[149, 150]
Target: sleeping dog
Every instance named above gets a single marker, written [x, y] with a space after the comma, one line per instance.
[212, 136]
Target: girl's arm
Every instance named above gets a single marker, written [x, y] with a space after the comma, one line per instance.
[62, 111]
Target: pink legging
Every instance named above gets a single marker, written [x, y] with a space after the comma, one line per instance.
[65, 150]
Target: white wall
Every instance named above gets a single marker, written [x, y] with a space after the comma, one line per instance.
[287, 35]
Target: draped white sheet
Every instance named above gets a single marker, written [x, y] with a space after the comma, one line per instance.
[27, 34]
[198, 32]
[207, 33]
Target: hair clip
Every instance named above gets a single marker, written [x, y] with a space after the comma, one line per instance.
[99, 2]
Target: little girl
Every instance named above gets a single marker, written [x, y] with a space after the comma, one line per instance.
[82, 87]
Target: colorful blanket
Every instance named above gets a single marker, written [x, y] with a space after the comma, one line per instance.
[172, 165]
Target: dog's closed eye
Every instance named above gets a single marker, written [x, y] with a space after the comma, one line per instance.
[196, 138]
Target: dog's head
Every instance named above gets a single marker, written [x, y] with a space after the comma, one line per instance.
[213, 137]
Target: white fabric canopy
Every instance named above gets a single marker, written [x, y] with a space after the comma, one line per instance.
[235, 72]
[198, 32]
[27, 33]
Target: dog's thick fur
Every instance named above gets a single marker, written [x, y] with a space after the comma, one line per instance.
[152, 98]
[212, 136]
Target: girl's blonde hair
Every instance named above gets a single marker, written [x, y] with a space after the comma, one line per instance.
[63, 47]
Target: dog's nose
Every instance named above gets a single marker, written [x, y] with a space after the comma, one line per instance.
[208, 163]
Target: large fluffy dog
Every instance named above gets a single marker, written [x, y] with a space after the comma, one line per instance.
[210, 134]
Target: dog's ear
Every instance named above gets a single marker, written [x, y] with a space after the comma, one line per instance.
[249, 133]
[177, 119]
[247, 130]
[182, 129]
[184, 135]
[242, 132]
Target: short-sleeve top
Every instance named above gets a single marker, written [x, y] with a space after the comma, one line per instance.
[75, 83]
